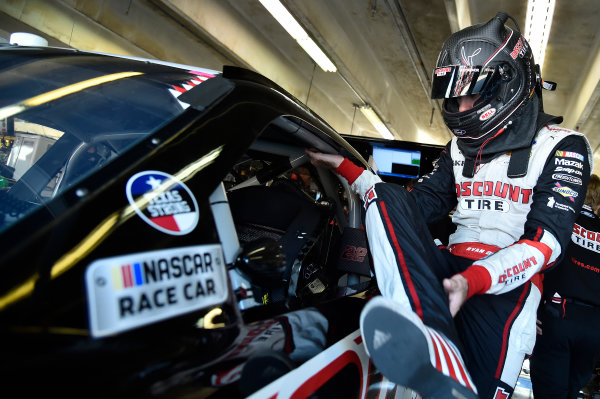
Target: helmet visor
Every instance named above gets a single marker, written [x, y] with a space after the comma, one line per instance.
[461, 80]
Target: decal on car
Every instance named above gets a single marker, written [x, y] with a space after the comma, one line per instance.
[133, 290]
[163, 201]
[177, 90]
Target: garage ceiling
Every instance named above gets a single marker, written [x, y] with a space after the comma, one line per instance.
[384, 50]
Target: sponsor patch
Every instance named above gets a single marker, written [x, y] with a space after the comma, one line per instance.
[484, 204]
[570, 171]
[459, 132]
[565, 191]
[567, 178]
[134, 290]
[513, 273]
[487, 114]
[442, 71]
[518, 47]
[568, 163]
[494, 189]
[587, 239]
[369, 197]
[569, 154]
[553, 204]
[162, 201]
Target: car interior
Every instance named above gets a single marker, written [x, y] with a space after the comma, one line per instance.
[275, 194]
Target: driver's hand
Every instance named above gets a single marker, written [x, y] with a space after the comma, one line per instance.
[457, 288]
[320, 159]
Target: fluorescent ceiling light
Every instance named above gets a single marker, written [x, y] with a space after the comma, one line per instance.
[376, 122]
[282, 15]
[537, 27]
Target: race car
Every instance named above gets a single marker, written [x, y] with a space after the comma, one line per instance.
[164, 235]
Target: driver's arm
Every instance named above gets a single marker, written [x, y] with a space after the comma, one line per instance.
[360, 179]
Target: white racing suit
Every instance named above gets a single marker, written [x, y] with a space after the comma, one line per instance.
[508, 231]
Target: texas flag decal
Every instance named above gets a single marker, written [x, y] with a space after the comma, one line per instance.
[163, 201]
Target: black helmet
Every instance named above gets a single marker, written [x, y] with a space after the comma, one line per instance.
[494, 61]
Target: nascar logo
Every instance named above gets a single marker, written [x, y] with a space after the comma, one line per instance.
[127, 276]
[150, 271]
[569, 154]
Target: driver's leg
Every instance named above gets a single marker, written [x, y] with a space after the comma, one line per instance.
[408, 265]
[409, 331]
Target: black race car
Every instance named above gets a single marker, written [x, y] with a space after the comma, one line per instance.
[164, 235]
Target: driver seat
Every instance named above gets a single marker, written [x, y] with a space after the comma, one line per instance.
[279, 211]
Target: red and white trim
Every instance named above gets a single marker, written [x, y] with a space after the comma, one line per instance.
[445, 358]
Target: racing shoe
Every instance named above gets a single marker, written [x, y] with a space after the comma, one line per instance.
[412, 355]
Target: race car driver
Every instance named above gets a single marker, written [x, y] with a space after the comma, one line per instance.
[510, 172]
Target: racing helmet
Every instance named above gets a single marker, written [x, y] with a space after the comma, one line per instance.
[491, 60]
